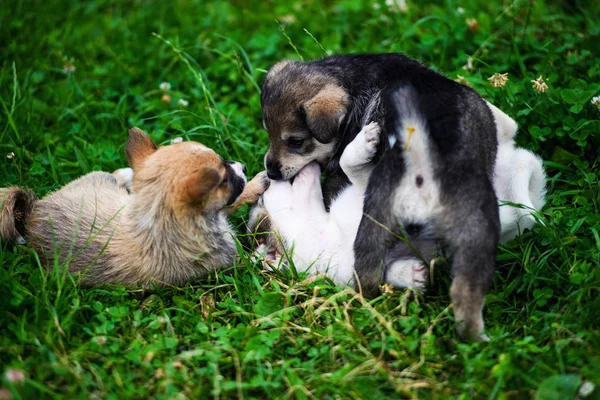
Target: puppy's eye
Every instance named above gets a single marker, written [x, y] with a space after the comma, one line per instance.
[225, 180]
[295, 143]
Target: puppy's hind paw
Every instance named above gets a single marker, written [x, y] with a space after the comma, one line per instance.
[408, 273]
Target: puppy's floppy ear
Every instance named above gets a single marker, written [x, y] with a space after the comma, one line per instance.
[139, 146]
[201, 183]
[325, 112]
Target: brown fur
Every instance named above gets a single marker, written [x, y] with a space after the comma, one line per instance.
[170, 229]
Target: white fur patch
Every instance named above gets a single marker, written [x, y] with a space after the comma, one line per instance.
[416, 203]
[238, 168]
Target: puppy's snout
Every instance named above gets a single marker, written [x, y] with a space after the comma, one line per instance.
[273, 169]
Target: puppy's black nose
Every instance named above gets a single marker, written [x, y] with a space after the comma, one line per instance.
[273, 170]
[275, 175]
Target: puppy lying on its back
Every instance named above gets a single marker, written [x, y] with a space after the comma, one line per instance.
[171, 228]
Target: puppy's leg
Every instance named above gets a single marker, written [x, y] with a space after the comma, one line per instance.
[308, 196]
[124, 178]
[252, 191]
[357, 156]
[378, 228]
[472, 236]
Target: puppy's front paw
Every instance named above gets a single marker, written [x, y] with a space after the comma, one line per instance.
[371, 134]
[362, 149]
[124, 178]
[261, 182]
[408, 273]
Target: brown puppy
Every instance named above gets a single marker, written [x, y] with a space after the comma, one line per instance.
[172, 227]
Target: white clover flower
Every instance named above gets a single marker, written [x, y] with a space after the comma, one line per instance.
[472, 24]
[587, 387]
[176, 140]
[68, 66]
[10, 155]
[397, 5]
[183, 103]
[15, 375]
[165, 86]
[596, 101]
[539, 85]
[460, 10]
[287, 19]
[498, 80]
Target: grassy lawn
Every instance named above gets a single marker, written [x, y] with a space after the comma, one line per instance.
[75, 75]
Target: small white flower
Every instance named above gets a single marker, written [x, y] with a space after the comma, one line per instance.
[460, 10]
[586, 389]
[287, 19]
[15, 375]
[397, 5]
[10, 155]
[498, 80]
[596, 101]
[68, 66]
[472, 24]
[176, 140]
[183, 103]
[539, 85]
[376, 6]
[469, 65]
[165, 86]
[101, 340]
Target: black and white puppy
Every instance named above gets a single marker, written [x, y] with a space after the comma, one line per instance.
[434, 180]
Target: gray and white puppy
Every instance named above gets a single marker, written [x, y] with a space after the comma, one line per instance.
[433, 177]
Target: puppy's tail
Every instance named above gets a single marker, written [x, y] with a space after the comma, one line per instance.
[527, 187]
[506, 127]
[16, 207]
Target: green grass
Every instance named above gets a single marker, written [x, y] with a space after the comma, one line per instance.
[248, 333]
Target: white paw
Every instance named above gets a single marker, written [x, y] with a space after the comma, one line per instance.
[407, 273]
[362, 149]
[371, 135]
[124, 178]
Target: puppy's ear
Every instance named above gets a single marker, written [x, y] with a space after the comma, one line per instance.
[15, 207]
[325, 112]
[199, 184]
[139, 147]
